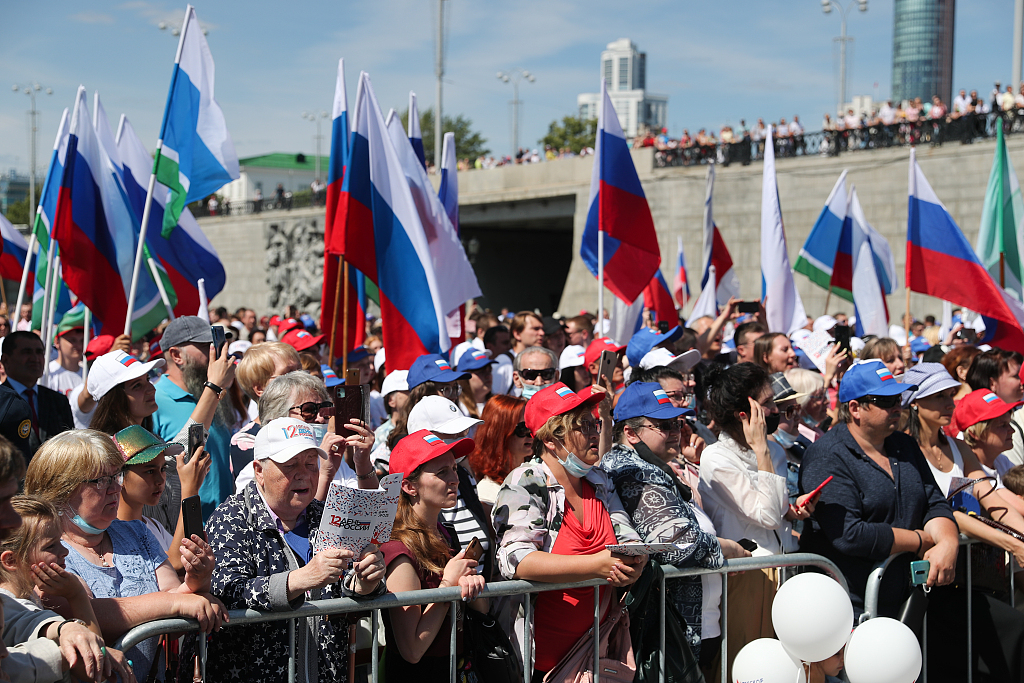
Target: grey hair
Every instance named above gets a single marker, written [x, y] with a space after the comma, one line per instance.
[517, 363]
[276, 401]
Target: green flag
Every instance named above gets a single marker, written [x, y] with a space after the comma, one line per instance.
[1001, 217]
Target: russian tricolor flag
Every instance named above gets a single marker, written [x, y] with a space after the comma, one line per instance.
[661, 396]
[681, 286]
[15, 251]
[869, 278]
[431, 439]
[658, 300]
[383, 237]
[341, 137]
[618, 209]
[186, 254]
[715, 252]
[941, 263]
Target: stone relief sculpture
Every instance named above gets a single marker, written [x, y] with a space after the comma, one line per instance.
[295, 264]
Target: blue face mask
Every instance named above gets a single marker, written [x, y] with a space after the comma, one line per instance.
[573, 465]
[84, 525]
[530, 389]
[319, 431]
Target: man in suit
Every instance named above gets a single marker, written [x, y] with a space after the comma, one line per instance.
[49, 411]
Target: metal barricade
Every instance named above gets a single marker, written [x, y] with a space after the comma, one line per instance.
[244, 617]
[871, 596]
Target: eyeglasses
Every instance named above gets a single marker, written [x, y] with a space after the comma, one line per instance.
[882, 402]
[590, 428]
[450, 391]
[311, 409]
[664, 426]
[104, 483]
[521, 430]
[790, 411]
[547, 374]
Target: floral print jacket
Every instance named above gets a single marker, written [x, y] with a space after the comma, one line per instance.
[661, 515]
[529, 508]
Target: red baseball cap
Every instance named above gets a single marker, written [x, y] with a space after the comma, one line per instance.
[423, 446]
[288, 325]
[301, 340]
[556, 400]
[980, 405]
[597, 346]
[99, 346]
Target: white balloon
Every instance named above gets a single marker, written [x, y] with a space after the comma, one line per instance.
[765, 661]
[883, 650]
[812, 615]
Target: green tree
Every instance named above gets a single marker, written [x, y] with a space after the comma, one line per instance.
[17, 212]
[574, 132]
[469, 144]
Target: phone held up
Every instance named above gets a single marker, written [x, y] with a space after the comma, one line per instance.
[196, 438]
[192, 517]
[351, 402]
[609, 359]
[748, 307]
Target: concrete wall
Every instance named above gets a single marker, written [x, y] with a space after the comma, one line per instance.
[959, 174]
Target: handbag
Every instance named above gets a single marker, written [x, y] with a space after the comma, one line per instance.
[614, 647]
[643, 602]
[914, 610]
[490, 650]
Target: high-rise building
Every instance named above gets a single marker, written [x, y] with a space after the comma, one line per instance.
[922, 49]
[624, 69]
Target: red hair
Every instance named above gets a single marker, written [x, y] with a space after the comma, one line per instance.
[490, 458]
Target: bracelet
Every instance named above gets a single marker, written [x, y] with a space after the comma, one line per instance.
[69, 621]
[920, 542]
[368, 475]
[216, 389]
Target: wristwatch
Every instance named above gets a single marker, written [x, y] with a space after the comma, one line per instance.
[69, 621]
[216, 390]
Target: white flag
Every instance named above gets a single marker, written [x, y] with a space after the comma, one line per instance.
[706, 304]
[868, 299]
[783, 305]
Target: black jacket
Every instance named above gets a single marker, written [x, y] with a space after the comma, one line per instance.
[54, 414]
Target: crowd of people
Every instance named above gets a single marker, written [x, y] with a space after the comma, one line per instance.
[532, 451]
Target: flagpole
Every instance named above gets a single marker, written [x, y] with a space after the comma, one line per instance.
[47, 285]
[142, 244]
[334, 313]
[827, 298]
[87, 328]
[24, 275]
[49, 326]
[1002, 270]
[600, 282]
[344, 323]
[160, 286]
[908, 319]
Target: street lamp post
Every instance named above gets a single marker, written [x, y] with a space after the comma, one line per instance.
[514, 77]
[31, 91]
[826, 7]
[316, 118]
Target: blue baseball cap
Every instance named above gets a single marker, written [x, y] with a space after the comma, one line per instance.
[645, 340]
[307, 321]
[646, 399]
[474, 359]
[870, 378]
[433, 367]
[359, 353]
[331, 378]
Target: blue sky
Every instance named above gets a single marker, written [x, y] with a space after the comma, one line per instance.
[718, 62]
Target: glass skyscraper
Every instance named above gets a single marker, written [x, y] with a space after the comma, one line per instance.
[922, 50]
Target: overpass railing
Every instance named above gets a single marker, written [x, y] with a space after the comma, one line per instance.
[453, 595]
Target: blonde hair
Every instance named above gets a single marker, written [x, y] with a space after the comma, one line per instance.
[257, 365]
[973, 434]
[64, 462]
[37, 516]
[558, 426]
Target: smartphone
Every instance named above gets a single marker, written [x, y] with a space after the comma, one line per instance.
[608, 361]
[196, 436]
[747, 544]
[192, 517]
[351, 401]
[817, 490]
[748, 306]
[219, 339]
[919, 570]
[841, 333]
[474, 551]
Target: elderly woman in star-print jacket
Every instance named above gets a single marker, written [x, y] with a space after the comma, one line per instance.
[262, 538]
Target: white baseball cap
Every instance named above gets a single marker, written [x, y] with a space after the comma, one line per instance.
[438, 414]
[572, 356]
[113, 368]
[397, 380]
[240, 346]
[378, 359]
[284, 438]
[661, 356]
[824, 323]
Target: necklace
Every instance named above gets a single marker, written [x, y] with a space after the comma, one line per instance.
[937, 462]
[94, 550]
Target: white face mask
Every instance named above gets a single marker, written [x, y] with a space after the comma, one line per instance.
[573, 465]
[319, 431]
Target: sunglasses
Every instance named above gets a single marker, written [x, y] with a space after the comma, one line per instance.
[882, 402]
[450, 391]
[547, 374]
[521, 430]
[311, 409]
